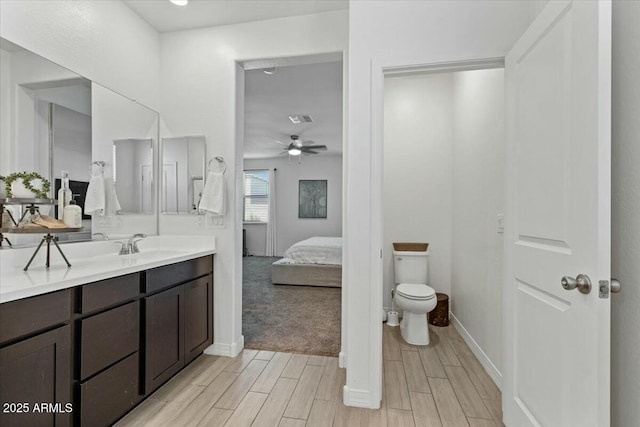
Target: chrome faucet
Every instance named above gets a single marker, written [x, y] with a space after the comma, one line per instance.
[131, 246]
[103, 235]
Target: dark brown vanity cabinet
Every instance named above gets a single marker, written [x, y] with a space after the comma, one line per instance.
[93, 352]
[164, 342]
[198, 314]
[178, 319]
[35, 380]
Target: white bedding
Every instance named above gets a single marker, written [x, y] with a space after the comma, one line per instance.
[316, 250]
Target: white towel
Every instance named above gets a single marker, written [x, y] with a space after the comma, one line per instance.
[213, 194]
[95, 200]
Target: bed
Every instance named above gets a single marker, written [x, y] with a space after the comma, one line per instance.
[316, 261]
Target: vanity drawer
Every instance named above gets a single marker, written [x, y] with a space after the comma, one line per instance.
[168, 275]
[25, 316]
[102, 294]
[109, 395]
[108, 337]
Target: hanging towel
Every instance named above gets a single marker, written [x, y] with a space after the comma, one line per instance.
[95, 200]
[213, 194]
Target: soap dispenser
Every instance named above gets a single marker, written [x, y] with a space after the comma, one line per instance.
[64, 194]
[72, 216]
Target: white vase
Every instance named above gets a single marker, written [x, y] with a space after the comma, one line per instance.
[20, 191]
[3, 193]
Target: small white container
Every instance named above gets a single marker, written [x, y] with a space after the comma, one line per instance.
[20, 191]
[72, 215]
[393, 319]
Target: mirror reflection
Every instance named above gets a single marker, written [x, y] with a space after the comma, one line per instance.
[54, 120]
[133, 175]
[46, 128]
[182, 174]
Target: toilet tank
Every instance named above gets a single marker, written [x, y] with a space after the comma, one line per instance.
[411, 267]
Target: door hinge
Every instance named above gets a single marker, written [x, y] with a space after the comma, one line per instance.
[604, 289]
[380, 253]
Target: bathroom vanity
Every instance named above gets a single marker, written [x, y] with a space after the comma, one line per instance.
[86, 353]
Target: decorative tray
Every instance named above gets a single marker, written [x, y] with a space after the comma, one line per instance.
[39, 230]
[22, 201]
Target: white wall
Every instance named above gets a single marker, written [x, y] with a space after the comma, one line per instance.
[202, 94]
[104, 41]
[397, 33]
[291, 229]
[72, 143]
[478, 196]
[417, 187]
[625, 363]
[5, 116]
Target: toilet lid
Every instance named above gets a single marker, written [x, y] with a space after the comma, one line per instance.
[415, 291]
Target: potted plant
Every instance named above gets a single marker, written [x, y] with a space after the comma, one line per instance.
[27, 185]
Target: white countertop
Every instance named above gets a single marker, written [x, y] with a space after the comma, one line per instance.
[91, 262]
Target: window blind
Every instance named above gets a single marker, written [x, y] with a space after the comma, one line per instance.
[256, 196]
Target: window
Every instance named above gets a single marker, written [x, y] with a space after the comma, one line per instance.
[256, 196]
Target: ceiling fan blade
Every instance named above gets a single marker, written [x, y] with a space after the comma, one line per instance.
[281, 143]
[309, 152]
[307, 142]
[316, 147]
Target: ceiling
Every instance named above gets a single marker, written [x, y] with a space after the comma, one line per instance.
[165, 16]
[314, 89]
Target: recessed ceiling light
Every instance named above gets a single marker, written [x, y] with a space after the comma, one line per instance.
[269, 71]
[179, 2]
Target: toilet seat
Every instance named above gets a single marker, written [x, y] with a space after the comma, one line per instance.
[415, 291]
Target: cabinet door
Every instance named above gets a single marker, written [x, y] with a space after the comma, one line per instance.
[164, 337]
[34, 372]
[198, 316]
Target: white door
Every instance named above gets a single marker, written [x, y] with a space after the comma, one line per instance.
[558, 222]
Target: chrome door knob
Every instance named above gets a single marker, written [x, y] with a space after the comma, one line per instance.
[615, 286]
[582, 283]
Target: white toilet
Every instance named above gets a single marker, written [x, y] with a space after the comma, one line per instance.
[413, 295]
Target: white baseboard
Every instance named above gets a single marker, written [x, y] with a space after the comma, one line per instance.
[486, 363]
[225, 349]
[342, 360]
[357, 398]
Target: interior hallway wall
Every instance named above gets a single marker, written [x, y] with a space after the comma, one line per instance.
[291, 229]
[625, 308]
[478, 197]
[417, 185]
[422, 32]
[202, 88]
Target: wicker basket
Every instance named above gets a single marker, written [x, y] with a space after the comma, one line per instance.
[410, 247]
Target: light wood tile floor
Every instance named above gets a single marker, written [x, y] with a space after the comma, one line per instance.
[438, 385]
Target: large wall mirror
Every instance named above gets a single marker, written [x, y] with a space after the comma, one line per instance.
[53, 119]
[182, 174]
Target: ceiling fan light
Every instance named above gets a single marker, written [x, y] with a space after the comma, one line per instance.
[294, 151]
[179, 2]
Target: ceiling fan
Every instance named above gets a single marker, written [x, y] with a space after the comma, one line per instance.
[297, 147]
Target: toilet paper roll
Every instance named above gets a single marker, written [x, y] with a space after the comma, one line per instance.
[392, 319]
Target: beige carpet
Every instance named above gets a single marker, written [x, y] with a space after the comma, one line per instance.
[295, 319]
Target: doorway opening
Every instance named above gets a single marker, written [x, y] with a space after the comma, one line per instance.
[292, 205]
[444, 184]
